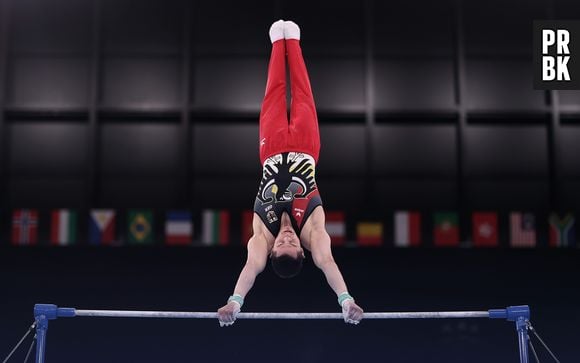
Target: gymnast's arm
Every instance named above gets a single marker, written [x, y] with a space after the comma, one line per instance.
[255, 264]
[257, 258]
[319, 243]
[319, 240]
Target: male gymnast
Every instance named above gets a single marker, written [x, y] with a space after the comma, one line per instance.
[288, 212]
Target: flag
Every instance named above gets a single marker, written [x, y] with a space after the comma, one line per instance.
[140, 226]
[407, 228]
[485, 229]
[446, 231]
[216, 227]
[562, 230]
[178, 227]
[522, 229]
[247, 226]
[25, 227]
[102, 226]
[63, 227]
[336, 227]
[369, 233]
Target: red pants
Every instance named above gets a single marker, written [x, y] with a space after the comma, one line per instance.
[301, 134]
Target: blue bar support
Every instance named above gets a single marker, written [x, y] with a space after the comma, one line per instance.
[521, 316]
[42, 314]
[522, 328]
[41, 328]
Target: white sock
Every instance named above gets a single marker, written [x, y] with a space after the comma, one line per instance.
[277, 31]
[291, 30]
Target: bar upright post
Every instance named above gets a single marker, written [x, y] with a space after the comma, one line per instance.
[522, 328]
[41, 318]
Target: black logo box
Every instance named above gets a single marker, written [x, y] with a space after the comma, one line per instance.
[573, 27]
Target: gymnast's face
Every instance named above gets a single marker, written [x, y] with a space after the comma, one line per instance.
[287, 242]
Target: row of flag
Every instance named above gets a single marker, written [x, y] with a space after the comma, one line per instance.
[485, 230]
[216, 228]
[102, 227]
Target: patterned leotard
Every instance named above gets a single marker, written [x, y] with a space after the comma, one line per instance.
[288, 185]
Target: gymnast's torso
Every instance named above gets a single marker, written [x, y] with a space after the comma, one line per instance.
[288, 185]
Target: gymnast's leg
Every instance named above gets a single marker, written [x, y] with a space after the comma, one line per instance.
[304, 131]
[273, 117]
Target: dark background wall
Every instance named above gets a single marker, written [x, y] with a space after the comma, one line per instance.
[424, 105]
[143, 104]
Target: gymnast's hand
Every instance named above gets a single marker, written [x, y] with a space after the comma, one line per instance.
[352, 313]
[227, 314]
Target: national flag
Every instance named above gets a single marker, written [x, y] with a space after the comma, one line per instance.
[25, 227]
[446, 231]
[178, 227]
[522, 229]
[369, 233]
[140, 226]
[102, 226]
[336, 227]
[562, 230]
[485, 229]
[407, 228]
[247, 226]
[63, 227]
[215, 227]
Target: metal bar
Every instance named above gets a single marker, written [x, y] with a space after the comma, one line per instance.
[45, 312]
[290, 316]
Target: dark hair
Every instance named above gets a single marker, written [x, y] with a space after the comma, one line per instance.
[286, 266]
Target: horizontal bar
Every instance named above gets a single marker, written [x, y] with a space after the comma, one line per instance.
[292, 316]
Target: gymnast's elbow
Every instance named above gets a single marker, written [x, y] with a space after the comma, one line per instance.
[255, 266]
[323, 262]
[257, 254]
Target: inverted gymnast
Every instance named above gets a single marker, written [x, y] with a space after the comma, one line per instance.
[288, 211]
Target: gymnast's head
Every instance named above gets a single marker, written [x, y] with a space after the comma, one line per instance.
[287, 254]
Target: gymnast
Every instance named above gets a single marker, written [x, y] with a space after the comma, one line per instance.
[288, 212]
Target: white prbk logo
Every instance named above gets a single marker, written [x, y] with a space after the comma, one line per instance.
[555, 67]
[298, 212]
[263, 142]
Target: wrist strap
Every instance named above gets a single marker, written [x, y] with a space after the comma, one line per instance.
[237, 298]
[343, 297]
